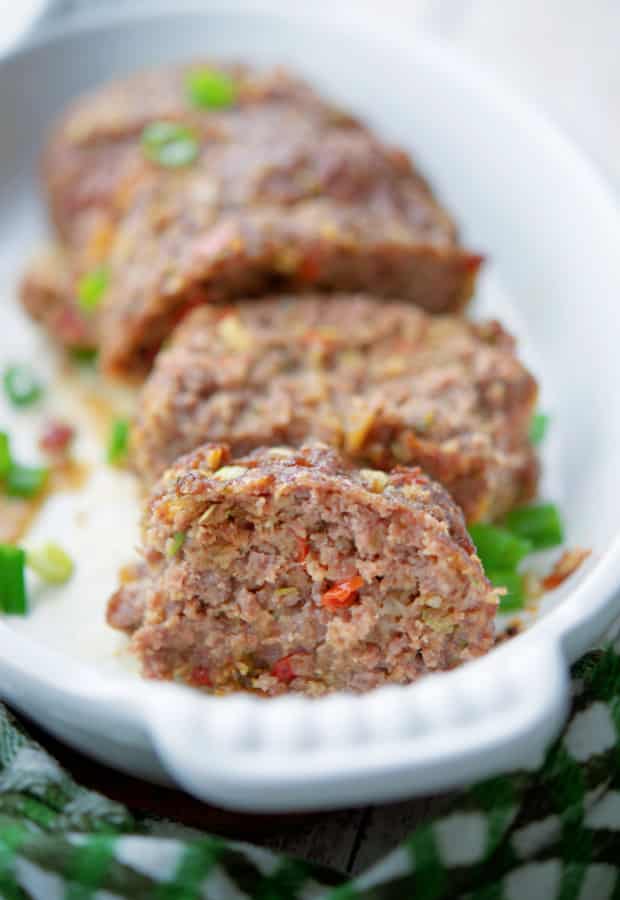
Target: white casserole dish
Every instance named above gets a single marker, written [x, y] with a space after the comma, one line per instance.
[551, 230]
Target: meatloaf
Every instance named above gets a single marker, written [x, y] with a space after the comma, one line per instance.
[291, 570]
[384, 382]
[285, 190]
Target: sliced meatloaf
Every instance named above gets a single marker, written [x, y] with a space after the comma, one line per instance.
[285, 190]
[384, 382]
[49, 294]
[291, 570]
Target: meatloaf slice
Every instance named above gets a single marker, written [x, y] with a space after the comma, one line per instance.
[291, 570]
[286, 190]
[49, 294]
[384, 382]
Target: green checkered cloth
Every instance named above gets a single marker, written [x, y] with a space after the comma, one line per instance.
[550, 835]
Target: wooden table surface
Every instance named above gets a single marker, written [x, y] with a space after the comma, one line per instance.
[564, 55]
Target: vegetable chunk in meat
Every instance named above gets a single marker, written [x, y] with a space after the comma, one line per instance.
[183, 203]
[383, 382]
[291, 570]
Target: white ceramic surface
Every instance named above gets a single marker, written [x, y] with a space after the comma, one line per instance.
[551, 231]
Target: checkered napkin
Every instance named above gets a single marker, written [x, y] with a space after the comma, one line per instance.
[527, 836]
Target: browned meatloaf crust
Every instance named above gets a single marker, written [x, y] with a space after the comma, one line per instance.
[287, 190]
[290, 570]
[383, 381]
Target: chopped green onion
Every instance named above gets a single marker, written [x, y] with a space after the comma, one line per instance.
[5, 454]
[497, 547]
[514, 599]
[84, 356]
[540, 524]
[51, 563]
[21, 385]
[169, 144]
[177, 541]
[91, 289]
[538, 428]
[25, 481]
[210, 89]
[12, 582]
[118, 442]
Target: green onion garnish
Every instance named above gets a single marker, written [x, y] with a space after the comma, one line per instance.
[169, 144]
[514, 599]
[118, 442]
[177, 541]
[5, 454]
[538, 428]
[210, 89]
[51, 563]
[497, 547]
[21, 385]
[84, 356]
[91, 289]
[25, 481]
[12, 582]
[540, 524]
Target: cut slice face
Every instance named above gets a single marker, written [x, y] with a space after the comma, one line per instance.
[291, 570]
[383, 382]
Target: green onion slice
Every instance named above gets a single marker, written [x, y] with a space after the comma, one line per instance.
[498, 548]
[177, 541]
[5, 454]
[91, 289]
[12, 581]
[118, 442]
[51, 563]
[170, 144]
[538, 428]
[84, 356]
[209, 89]
[540, 524]
[514, 599]
[25, 481]
[21, 385]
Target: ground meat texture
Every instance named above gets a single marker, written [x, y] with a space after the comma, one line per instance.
[287, 191]
[290, 570]
[49, 294]
[384, 382]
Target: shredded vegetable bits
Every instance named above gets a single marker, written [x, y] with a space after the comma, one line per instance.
[513, 598]
[25, 481]
[118, 442]
[56, 438]
[12, 580]
[50, 563]
[5, 454]
[538, 428]
[283, 670]
[501, 549]
[170, 144]
[540, 524]
[342, 594]
[15, 479]
[21, 385]
[175, 544]
[83, 356]
[497, 547]
[91, 289]
[207, 88]
[566, 565]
